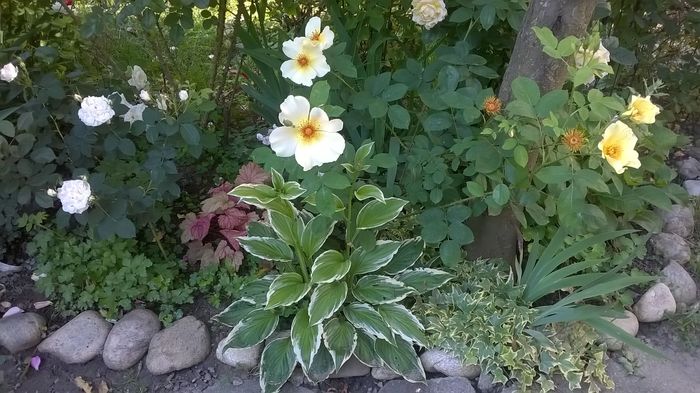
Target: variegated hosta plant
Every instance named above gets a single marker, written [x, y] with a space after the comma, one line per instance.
[338, 283]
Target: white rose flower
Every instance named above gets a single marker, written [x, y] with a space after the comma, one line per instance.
[211, 57]
[307, 134]
[161, 102]
[322, 38]
[75, 196]
[9, 72]
[600, 56]
[138, 78]
[145, 97]
[428, 13]
[183, 95]
[95, 111]
[307, 61]
[135, 112]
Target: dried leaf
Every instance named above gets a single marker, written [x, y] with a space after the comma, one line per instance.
[42, 304]
[12, 311]
[82, 384]
[103, 388]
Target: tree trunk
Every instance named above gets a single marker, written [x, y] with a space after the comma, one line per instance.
[564, 18]
[499, 236]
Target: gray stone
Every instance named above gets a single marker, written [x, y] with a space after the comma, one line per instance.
[437, 385]
[383, 374]
[485, 383]
[678, 220]
[629, 324]
[670, 247]
[351, 368]
[78, 341]
[128, 341]
[680, 283]
[289, 388]
[689, 168]
[179, 346]
[437, 360]
[21, 331]
[655, 304]
[240, 358]
[693, 187]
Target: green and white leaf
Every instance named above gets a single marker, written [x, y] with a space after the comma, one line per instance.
[403, 323]
[365, 352]
[326, 299]
[315, 234]
[235, 312]
[277, 364]
[257, 290]
[287, 228]
[424, 279]
[257, 194]
[401, 359]
[322, 365]
[408, 253]
[364, 261]
[287, 289]
[306, 338]
[253, 329]
[367, 319]
[340, 338]
[375, 289]
[267, 248]
[330, 266]
[291, 190]
[377, 213]
[369, 191]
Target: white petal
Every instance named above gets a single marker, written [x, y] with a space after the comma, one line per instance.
[294, 110]
[329, 146]
[320, 66]
[291, 48]
[288, 68]
[318, 115]
[314, 25]
[334, 125]
[304, 76]
[305, 156]
[283, 141]
[327, 38]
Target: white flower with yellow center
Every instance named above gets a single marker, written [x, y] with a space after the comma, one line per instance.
[307, 134]
[306, 61]
[428, 13]
[642, 110]
[617, 147]
[321, 38]
[600, 56]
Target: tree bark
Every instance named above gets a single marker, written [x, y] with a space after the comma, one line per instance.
[499, 236]
[564, 18]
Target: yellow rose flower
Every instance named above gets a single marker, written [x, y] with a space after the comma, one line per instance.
[642, 110]
[617, 147]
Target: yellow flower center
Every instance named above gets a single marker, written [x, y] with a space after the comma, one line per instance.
[308, 131]
[613, 151]
[302, 60]
[316, 36]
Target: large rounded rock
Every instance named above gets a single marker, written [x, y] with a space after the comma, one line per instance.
[670, 247]
[437, 385]
[128, 341]
[241, 358]
[655, 304]
[629, 324]
[693, 187]
[437, 360]
[689, 168]
[678, 220]
[680, 283]
[78, 341]
[384, 374]
[21, 331]
[180, 346]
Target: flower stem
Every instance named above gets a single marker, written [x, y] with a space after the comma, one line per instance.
[157, 239]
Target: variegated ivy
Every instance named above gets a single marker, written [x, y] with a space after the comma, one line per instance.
[340, 286]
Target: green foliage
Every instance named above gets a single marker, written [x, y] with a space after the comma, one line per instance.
[344, 292]
[483, 319]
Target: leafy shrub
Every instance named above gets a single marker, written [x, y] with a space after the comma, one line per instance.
[343, 293]
[211, 235]
[481, 318]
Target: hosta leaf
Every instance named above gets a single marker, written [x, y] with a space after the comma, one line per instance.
[403, 322]
[287, 289]
[370, 261]
[424, 279]
[235, 312]
[326, 300]
[322, 365]
[288, 229]
[401, 359]
[340, 338]
[375, 289]
[315, 234]
[330, 266]
[277, 364]
[365, 352]
[369, 191]
[408, 253]
[377, 213]
[305, 338]
[253, 329]
[365, 318]
[267, 248]
[257, 290]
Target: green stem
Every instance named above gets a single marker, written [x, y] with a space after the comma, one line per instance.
[302, 263]
[155, 237]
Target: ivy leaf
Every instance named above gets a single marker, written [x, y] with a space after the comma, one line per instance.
[253, 329]
[326, 300]
[288, 288]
